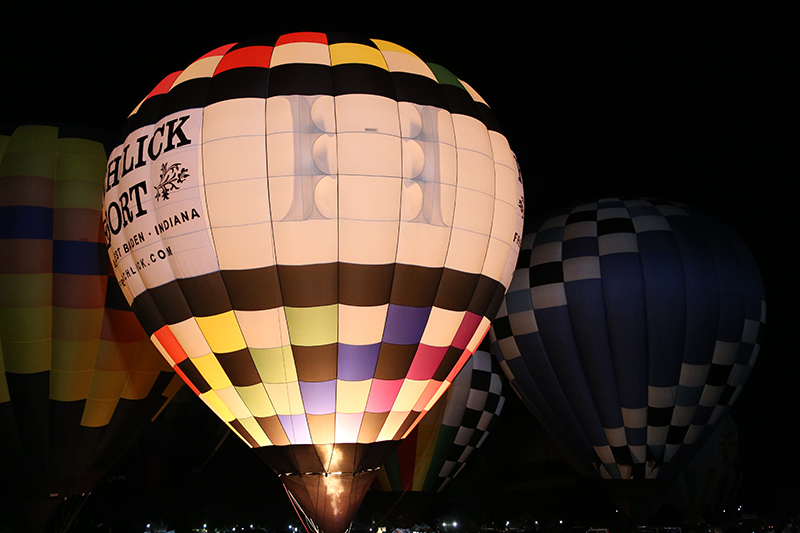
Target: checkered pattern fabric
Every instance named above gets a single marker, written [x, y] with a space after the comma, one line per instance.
[473, 420]
[315, 231]
[629, 328]
[440, 446]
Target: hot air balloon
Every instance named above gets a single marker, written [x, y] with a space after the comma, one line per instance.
[79, 379]
[439, 447]
[629, 328]
[315, 229]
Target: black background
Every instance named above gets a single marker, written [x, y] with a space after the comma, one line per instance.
[692, 102]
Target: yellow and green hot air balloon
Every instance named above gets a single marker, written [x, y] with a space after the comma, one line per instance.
[79, 380]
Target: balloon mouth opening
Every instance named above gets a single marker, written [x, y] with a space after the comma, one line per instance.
[326, 474]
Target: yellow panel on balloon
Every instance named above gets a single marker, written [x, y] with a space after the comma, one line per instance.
[107, 385]
[97, 413]
[399, 59]
[212, 371]
[384, 46]
[25, 324]
[26, 357]
[425, 399]
[257, 401]
[275, 365]
[70, 386]
[28, 140]
[212, 400]
[79, 194]
[313, 326]
[222, 332]
[76, 356]
[478, 336]
[26, 290]
[83, 160]
[342, 53]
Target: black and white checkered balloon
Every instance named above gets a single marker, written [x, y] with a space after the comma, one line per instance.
[629, 328]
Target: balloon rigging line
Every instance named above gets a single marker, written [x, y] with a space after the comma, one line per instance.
[298, 509]
[67, 516]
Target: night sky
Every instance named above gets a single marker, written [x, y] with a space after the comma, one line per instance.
[690, 103]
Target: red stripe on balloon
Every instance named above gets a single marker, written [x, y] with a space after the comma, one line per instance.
[186, 380]
[168, 341]
[302, 37]
[251, 56]
[165, 85]
[469, 324]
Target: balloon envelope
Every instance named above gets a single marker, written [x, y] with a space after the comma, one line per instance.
[79, 380]
[315, 229]
[629, 329]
